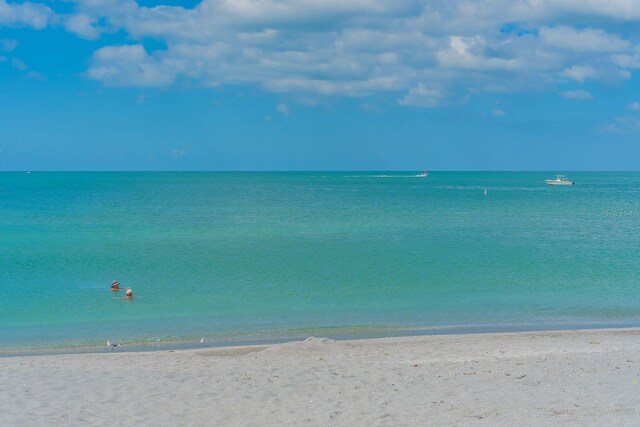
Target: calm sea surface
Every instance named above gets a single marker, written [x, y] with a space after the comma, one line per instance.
[263, 255]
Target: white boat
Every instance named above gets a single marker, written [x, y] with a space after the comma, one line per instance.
[424, 173]
[560, 180]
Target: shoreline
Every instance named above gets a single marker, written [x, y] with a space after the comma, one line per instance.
[584, 377]
[365, 333]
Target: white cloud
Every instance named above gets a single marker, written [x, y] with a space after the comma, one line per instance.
[330, 87]
[421, 51]
[283, 109]
[634, 106]
[130, 65]
[576, 94]
[421, 96]
[83, 26]
[36, 75]
[629, 60]
[358, 48]
[498, 113]
[624, 125]
[626, 10]
[579, 72]
[586, 40]
[28, 14]
[8, 45]
[18, 64]
[469, 53]
[178, 152]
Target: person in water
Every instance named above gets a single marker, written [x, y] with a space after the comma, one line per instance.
[115, 285]
[129, 293]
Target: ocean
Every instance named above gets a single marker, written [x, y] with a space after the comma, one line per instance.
[247, 256]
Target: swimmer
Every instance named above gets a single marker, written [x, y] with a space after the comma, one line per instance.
[129, 293]
[115, 285]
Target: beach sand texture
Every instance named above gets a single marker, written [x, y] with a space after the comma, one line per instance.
[528, 378]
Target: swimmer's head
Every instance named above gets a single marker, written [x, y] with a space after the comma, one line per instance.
[115, 283]
[129, 293]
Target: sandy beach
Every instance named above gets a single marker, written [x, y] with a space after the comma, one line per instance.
[589, 377]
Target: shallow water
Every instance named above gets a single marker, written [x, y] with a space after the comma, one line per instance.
[237, 255]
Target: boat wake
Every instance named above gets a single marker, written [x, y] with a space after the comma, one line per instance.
[384, 176]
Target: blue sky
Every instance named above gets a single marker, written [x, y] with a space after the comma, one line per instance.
[319, 85]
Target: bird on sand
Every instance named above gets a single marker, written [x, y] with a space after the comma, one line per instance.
[113, 345]
[202, 342]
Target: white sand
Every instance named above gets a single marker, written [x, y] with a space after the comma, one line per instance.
[548, 378]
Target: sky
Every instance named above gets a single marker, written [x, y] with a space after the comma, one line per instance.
[320, 85]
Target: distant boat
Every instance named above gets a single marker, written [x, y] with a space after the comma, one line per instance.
[424, 173]
[560, 180]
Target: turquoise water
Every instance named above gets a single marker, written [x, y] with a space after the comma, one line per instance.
[228, 255]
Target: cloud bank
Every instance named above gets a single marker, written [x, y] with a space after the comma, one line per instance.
[422, 53]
